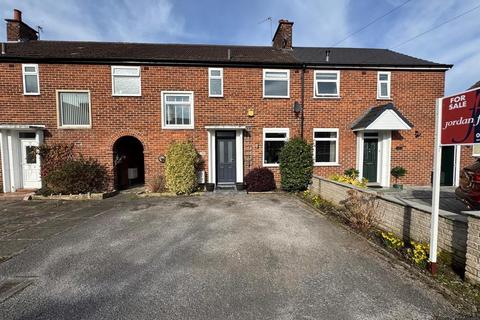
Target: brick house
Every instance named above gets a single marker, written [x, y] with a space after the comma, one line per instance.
[124, 103]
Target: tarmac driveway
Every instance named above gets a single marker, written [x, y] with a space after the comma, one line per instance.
[232, 256]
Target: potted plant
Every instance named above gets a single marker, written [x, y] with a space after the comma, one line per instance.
[210, 186]
[397, 173]
[240, 186]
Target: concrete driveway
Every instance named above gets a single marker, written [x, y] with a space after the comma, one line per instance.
[232, 256]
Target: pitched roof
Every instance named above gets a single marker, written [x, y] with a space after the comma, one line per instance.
[476, 85]
[374, 113]
[102, 52]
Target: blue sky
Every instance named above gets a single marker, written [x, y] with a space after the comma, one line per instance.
[317, 23]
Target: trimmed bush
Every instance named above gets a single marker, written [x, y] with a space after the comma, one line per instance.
[259, 180]
[180, 168]
[296, 165]
[77, 176]
[398, 172]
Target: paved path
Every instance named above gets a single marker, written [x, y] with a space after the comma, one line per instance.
[212, 257]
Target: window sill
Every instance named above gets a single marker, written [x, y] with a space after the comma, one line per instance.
[328, 98]
[126, 95]
[384, 99]
[271, 165]
[31, 94]
[326, 164]
[178, 127]
[75, 127]
[273, 97]
[215, 96]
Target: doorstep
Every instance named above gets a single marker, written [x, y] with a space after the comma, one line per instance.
[20, 194]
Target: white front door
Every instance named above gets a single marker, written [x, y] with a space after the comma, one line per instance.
[30, 164]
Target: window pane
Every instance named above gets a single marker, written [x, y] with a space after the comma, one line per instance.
[126, 71]
[75, 109]
[383, 77]
[276, 88]
[276, 75]
[326, 76]
[30, 154]
[327, 88]
[30, 69]
[332, 134]
[31, 84]
[186, 114]
[272, 151]
[325, 151]
[179, 98]
[215, 87]
[215, 73]
[26, 135]
[170, 114]
[383, 89]
[281, 135]
[127, 85]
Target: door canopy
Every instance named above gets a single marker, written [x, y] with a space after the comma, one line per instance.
[384, 117]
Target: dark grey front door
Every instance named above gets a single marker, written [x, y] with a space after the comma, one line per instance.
[370, 152]
[225, 157]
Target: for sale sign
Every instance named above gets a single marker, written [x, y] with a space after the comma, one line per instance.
[460, 118]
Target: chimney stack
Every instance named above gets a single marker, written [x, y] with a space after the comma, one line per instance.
[283, 36]
[17, 30]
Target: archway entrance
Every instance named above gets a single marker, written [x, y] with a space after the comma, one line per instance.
[128, 162]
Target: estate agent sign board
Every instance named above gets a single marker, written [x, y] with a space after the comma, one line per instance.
[457, 122]
[461, 118]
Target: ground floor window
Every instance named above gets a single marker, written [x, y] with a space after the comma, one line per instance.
[325, 151]
[177, 110]
[273, 141]
[74, 109]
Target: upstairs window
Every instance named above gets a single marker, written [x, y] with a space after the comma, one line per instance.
[74, 109]
[327, 83]
[383, 85]
[215, 82]
[126, 81]
[325, 151]
[31, 85]
[273, 142]
[177, 110]
[276, 83]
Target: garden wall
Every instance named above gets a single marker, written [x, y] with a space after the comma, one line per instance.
[407, 219]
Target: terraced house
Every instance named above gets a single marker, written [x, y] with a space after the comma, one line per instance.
[124, 103]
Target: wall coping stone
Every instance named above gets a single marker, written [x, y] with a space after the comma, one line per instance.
[445, 214]
[475, 214]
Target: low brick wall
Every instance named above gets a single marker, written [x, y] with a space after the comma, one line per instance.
[408, 219]
[472, 268]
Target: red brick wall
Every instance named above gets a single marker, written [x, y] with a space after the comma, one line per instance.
[413, 93]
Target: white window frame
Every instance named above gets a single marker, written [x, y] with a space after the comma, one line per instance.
[315, 87]
[139, 94]
[288, 82]
[59, 117]
[337, 139]
[192, 110]
[379, 82]
[35, 73]
[210, 77]
[273, 130]
[476, 155]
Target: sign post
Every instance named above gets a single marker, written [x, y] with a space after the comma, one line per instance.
[457, 122]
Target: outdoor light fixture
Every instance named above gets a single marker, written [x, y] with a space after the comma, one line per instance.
[297, 107]
[162, 159]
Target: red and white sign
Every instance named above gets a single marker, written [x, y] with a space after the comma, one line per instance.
[460, 118]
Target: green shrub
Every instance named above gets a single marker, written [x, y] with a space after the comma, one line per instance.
[352, 172]
[77, 176]
[180, 169]
[296, 165]
[398, 172]
[260, 180]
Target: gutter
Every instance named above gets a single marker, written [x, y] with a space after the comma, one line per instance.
[293, 65]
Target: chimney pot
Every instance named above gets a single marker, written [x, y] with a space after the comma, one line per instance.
[17, 15]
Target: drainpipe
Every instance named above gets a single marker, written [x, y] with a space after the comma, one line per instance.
[302, 101]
